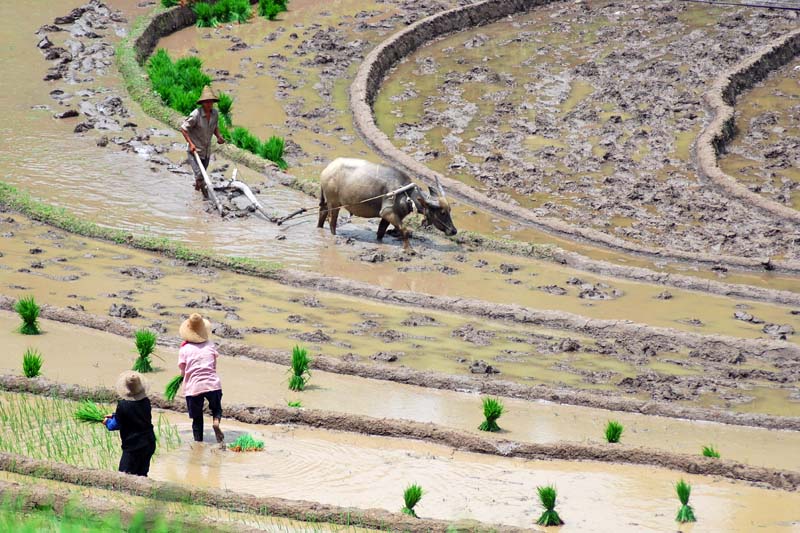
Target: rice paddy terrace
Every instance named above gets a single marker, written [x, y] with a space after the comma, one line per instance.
[624, 282]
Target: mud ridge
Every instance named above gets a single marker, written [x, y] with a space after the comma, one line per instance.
[436, 380]
[131, 54]
[722, 99]
[432, 433]
[224, 499]
[387, 54]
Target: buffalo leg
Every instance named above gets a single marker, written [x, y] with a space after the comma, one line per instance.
[382, 229]
[323, 210]
[334, 220]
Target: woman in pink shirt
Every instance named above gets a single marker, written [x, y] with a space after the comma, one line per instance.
[197, 361]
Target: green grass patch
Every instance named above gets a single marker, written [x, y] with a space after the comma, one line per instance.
[31, 363]
[247, 443]
[492, 410]
[547, 497]
[710, 451]
[28, 310]
[411, 497]
[172, 387]
[145, 341]
[300, 373]
[613, 431]
[685, 513]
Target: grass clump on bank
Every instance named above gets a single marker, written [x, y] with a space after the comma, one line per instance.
[272, 8]
[28, 310]
[547, 497]
[299, 370]
[145, 344]
[221, 12]
[172, 387]
[685, 513]
[614, 431]
[247, 443]
[492, 410]
[31, 363]
[411, 497]
[710, 451]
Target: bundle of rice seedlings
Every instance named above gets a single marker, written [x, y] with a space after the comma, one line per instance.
[224, 131]
[206, 16]
[272, 149]
[613, 431]
[710, 451]
[89, 411]
[172, 387]
[411, 496]
[245, 140]
[685, 513]
[299, 370]
[547, 496]
[170, 3]
[269, 9]
[28, 311]
[492, 409]
[224, 106]
[296, 403]
[246, 443]
[31, 363]
[145, 344]
[240, 11]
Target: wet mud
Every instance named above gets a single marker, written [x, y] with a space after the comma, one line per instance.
[641, 146]
[88, 357]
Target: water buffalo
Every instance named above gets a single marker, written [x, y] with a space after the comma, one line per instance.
[364, 188]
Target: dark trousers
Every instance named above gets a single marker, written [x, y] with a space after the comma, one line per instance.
[195, 405]
[137, 462]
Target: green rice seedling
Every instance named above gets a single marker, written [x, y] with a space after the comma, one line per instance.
[206, 15]
[225, 131]
[547, 496]
[170, 3]
[245, 140]
[272, 149]
[88, 411]
[710, 451]
[172, 387]
[492, 410]
[685, 513]
[269, 9]
[31, 363]
[282, 4]
[145, 344]
[295, 403]
[613, 431]
[240, 11]
[299, 370]
[224, 106]
[28, 310]
[411, 497]
[247, 443]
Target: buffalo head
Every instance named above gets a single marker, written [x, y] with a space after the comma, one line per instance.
[436, 209]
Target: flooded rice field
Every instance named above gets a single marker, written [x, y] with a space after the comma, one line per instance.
[548, 111]
[582, 111]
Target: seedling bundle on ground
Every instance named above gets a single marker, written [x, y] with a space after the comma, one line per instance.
[685, 513]
[179, 84]
[547, 496]
[31, 363]
[247, 443]
[299, 370]
[172, 387]
[710, 451]
[411, 497]
[28, 311]
[492, 410]
[613, 431]
[271, 8]
[221, 12]
[145, 344]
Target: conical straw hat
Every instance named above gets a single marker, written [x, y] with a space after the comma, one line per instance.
[195, 329]
[131, 386]
[208, 94]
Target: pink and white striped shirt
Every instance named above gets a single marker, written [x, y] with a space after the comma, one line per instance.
[198, 366]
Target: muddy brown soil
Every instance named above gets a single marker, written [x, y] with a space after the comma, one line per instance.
[636, 179]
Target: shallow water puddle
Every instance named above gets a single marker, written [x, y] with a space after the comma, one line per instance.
[86, 357]
[368, 472]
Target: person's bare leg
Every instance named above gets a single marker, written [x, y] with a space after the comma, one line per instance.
[218, 432]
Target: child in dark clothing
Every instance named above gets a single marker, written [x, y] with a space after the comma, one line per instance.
[134, 420]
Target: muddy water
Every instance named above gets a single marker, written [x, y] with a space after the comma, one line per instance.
[368, 472]
[765, 152]
[89, 358]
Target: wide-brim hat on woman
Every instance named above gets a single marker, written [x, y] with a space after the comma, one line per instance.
[195, 329]
[208, 95]
[131, 386]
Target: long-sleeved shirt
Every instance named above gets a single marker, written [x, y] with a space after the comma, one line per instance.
[201, 130]
[135, 424]
[198, 366]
